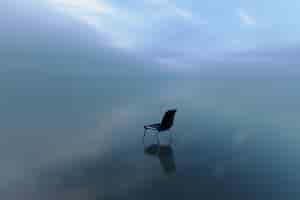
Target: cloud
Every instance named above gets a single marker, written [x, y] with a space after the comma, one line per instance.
[86, 6]
[186, 14]
[113, 22]
[171, 9]
[126, 26]
[245, 18]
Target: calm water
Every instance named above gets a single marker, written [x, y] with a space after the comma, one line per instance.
[76, 135]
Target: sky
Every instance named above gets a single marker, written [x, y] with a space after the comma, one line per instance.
[172, 33]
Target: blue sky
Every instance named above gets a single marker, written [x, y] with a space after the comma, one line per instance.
[182, 33]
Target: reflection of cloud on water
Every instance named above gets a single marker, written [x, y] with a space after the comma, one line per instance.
[111, 175]
[86, 167]
[99, 162]
[217, 165]
[118, 127]
[240, 139]
[109, 126]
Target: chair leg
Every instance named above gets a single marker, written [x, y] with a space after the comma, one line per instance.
[157, 138]
[158, 144]
[145, 130]
[170, 137]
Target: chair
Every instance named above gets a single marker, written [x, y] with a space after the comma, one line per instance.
[165, 125]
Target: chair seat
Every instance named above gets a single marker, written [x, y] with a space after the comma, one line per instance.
[153, 126]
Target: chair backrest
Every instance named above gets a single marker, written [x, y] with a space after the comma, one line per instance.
[167, 120]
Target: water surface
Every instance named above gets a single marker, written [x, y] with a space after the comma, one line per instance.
[73, 135]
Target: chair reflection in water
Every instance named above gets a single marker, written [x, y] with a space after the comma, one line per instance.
[165, 156]
[165, 125]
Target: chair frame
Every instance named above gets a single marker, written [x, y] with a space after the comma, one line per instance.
[156, 133]
[157, 130]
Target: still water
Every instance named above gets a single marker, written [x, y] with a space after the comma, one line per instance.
[75, 135]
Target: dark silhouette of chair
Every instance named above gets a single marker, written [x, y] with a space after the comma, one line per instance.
[165, 125]
[165, 156]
